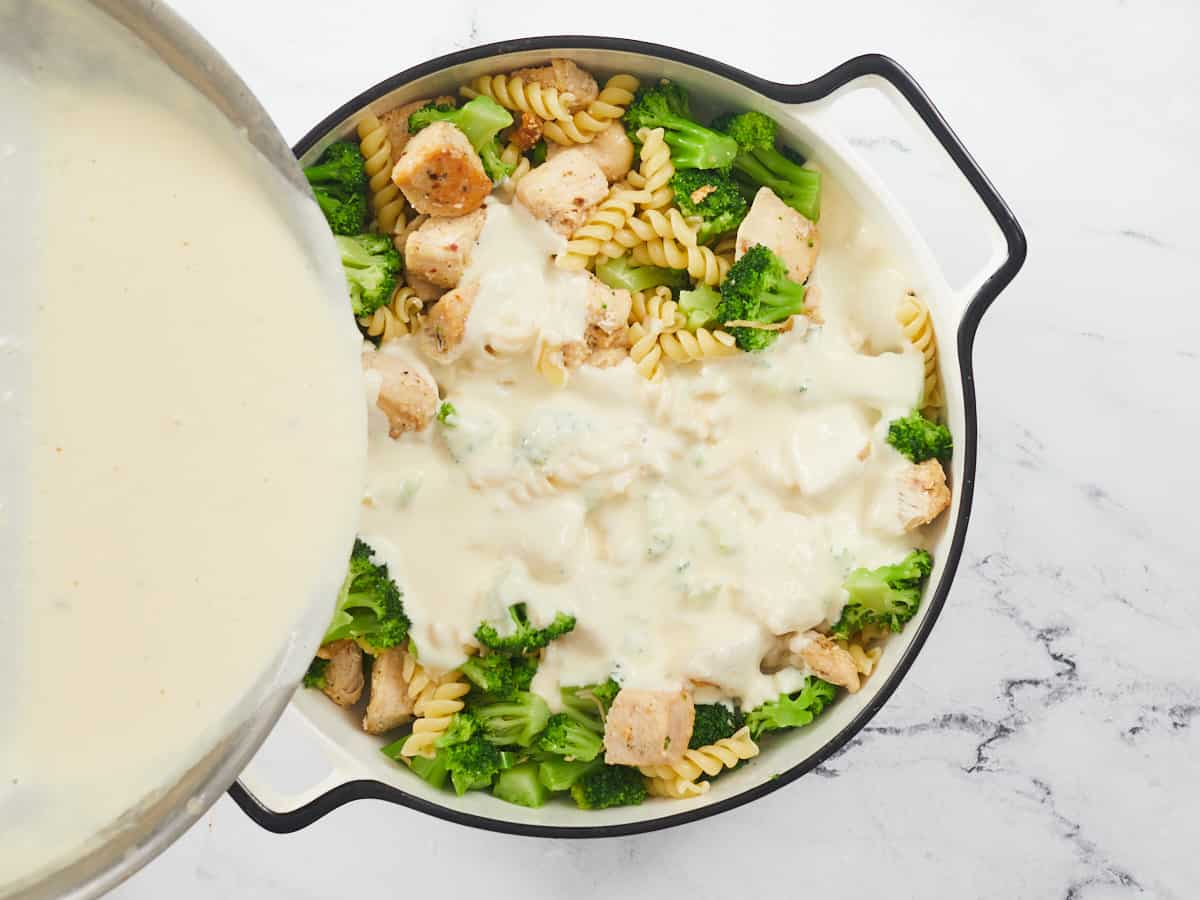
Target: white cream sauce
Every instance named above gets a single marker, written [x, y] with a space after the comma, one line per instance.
[686, 524]
[193, 443]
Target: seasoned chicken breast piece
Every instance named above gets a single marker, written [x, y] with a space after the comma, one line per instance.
[440, 249]
[923, 494]
[563, 191]
[440, 173]
[611, 149]
[608, 316]
[344, 675]
[567, 77]
[389, 705]
[408, 394]
[828, 660]
[648, 728]
[783, 231]
[446, 324]
[396, 121]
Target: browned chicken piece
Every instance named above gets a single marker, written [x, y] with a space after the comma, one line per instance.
[563, 191]
[783, 231]
[396, 121]
[439, 250]
[923, 494]
[426, 290]
[528, 131]
[389, 706]
[567, 77]
[440, 173]
[408, 396]
[830, 661]
[344, 674]
[608, 316]
[446, 324]
[648, 728]
[611, 149]
[607, 357]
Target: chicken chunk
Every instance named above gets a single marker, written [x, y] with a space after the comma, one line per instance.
[528, 131]
[396, 121]
[567, 77]
[783, 231]
[923, 494]
[608, 316]
[563, 191]
[611, 149]
[344, 675]
[408, 394]
[648, 728]
[446, 325]
[439, 250]
[828, 660]
[390, 705]
[440, 173]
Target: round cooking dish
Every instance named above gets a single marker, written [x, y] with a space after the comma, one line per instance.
[359, 769]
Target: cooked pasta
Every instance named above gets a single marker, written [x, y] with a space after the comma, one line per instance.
[654, 309]
[587, 123]
[653, 224]
[435, 700]
[400, 317]
[700, 262]
[387, 202]
[512, 156]
[591, 238]
[701, 344]
[675, 788]
[710, 760]
[864, 659]
[655, 170]
[645, 352]
[515, 93]
[913, 316]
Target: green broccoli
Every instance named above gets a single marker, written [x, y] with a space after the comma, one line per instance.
[759, 162]
[713, 197]
[499, 675]
[339, 184]
[315, 676]
[372, 266]
[919, 439]
[522, 786]
[609, 786]
[757, 289]
[588, 704]
[472, 764]
[513, 722]
[558, 774]
[888, 596]
[565, 736]
[665, 105]
[462, 728]
[792, 711]
[445, 413]
[480, 119]
[714, 722]
[526, 638]
[432, 770]
[537, 153]
[699, 305]
[619, 273]
[369, 605]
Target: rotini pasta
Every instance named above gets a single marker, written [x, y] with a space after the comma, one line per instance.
[401, 316]
[689, 346]
[701, 263]
[655, 310]
[386, 200]
[656, 169]
[676, 788]
[515, 93]
[864, 659]
[512, 156]
[710, 760]
[435, 700]
[645, 352]
[587, 123]
[913, 316]
[652, 224]
[591, 238]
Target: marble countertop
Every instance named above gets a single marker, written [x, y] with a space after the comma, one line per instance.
[1047, 742]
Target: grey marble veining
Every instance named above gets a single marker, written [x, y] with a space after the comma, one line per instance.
[1047, 741]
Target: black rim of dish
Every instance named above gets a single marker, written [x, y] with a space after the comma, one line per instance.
[867, 65]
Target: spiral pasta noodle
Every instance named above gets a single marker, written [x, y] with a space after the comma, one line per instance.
[610, 105]
[386, 200]
[650, 225]
[655, 310]
[865, 660]
[913, 316]
[435, 702]
[710, 760]
[512, 156]
[593, 236]
[676, 788]
[702, 344]
[515, 93]
[645, 352]
[655, 170]
[401, 316]
[701, 263]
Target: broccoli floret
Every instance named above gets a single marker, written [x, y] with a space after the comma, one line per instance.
[566, 737]
[792, 711]
[369, 606]
[315, 676]
[463, 727]
[759, 161]
[537, 153]
[521, 785]
[558, 774]
[757, 289]
[609, 786]
[714, 722]
[514, 722]
[919, 439]
[499, 675]
[713, 197]
[888, 596]
[372, 266]
[526, 638]
[445, 413]
[588, 704]
[665, 105]
[480, 119]
[699, 305]
[472, 764]
[431, 770]
[339, 183]
[620, 274]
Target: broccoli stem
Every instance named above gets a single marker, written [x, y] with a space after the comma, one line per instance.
[798, 187]
[521, 785]
[559, 774]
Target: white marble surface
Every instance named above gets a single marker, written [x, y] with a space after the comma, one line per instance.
[1047, 743]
